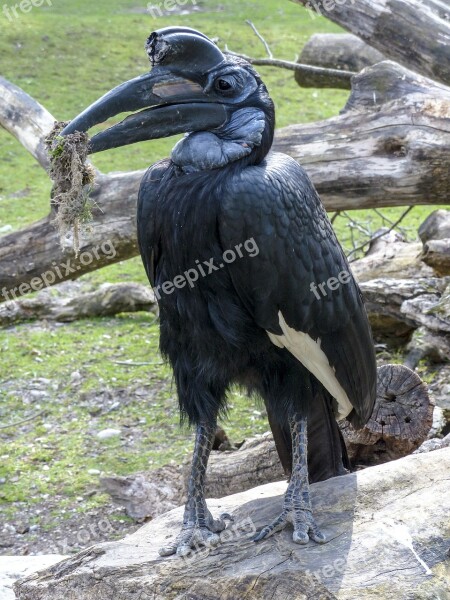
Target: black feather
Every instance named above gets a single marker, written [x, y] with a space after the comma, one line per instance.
[215, 333]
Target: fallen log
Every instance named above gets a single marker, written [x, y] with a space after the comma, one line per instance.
[427, 344]
[400, 421]
[436, 226]
[371, 518]
[341, 51]
[25, 119]
[147, 495]
[390, 147]
[107, 300]
[430, 311]
[436, 254]
[414, 33]
[392, 258]
[396, 307]
[434, 444]
[435, 235]
[402, 294]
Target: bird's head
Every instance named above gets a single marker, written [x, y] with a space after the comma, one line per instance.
[219, 100]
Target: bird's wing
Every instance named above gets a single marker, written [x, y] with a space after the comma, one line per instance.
[276, 205]
[147, 217]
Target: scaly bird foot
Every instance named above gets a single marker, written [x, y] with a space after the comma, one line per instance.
[196, 532]
[297, 504]
[305, 527]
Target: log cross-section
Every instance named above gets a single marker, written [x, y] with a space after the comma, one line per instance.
[400, 421]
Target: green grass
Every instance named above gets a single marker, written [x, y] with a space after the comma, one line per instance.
[53, 454]
[66, 56]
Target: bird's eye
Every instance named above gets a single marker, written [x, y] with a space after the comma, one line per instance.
[223, 85]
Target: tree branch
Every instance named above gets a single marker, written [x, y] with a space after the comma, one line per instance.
[386, 24]
[266, 45]
[389, 147]
[25, 119]
[327, 74]
[380, 235]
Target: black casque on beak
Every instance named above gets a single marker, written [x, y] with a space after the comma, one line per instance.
[172, 94]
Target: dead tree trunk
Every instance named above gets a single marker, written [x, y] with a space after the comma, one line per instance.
[341, 51]
[435, 235]
[400, 421]
[436, 253]
[109, 299]
[427, 344]
[405, 299]
[436, 226]
[414, 33]
[390, 147]
[396, 307]
[369, 518]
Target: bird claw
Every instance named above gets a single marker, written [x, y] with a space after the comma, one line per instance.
[305, 526]
[189, 539]
[193, 537]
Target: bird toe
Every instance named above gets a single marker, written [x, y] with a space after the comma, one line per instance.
[317, 536]
[189, 540]
[300, 536]
[277, 525]
[167, 550]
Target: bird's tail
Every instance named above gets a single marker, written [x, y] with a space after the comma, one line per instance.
[327, 454]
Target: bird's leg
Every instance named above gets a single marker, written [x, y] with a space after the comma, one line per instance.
[199, 526]
[297, 504]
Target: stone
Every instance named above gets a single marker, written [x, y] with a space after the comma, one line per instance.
[106, 434]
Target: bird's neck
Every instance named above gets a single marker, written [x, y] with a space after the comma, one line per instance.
[244, 136]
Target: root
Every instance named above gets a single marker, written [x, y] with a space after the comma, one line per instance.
[70, 175]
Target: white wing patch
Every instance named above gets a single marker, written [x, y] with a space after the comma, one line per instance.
[310, 354]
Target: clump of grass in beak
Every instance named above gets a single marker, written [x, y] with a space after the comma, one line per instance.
[72, 179]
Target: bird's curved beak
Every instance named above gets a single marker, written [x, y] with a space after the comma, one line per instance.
[172, 104]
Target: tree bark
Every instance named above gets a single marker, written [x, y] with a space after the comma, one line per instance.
[25, 119]
[390, 147]
[392, 259]
[436, 226]
[400, 421]
[436, 254]
[435, 235]
[371, 519]
[109, 299]
[396, 307]
[427, 344]
[341, 51]
[414, 33]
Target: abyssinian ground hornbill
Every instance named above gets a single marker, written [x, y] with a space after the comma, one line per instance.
[252, 284]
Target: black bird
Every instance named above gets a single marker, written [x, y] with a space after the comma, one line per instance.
[253, 286]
